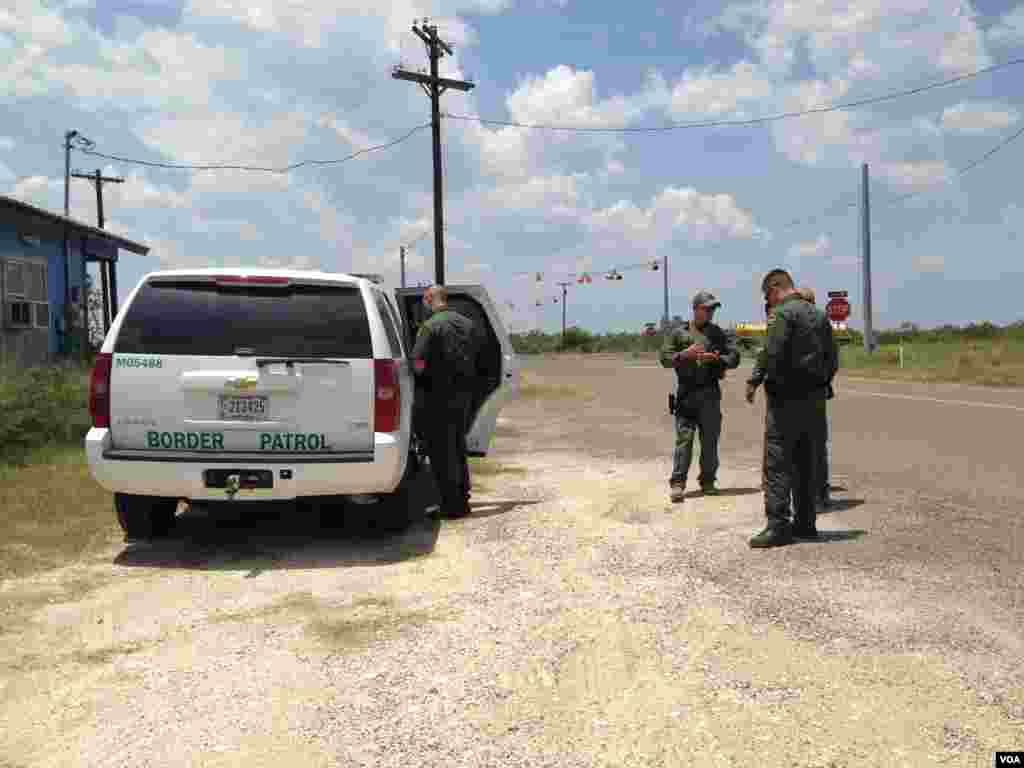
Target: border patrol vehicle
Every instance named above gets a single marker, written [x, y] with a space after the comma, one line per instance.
[244, 384]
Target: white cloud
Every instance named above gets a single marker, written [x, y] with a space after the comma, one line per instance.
[35, 25]
[159, 69]
[357, 139]
[1010, 28]
[969, 117]
[568, 96]
[6, 143]
[561, 96]
[309, 23]
[335, 227]
[933, 263]
[704, 92]
[864, 38]
[38, 190]
[675, 212]
[556, 195]
[915, 175]
[138, 192]
[814, 247]
[852, 47]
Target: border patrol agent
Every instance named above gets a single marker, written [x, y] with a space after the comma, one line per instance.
[807, 294]
[445, 357]
[798, 362]
[700, 357]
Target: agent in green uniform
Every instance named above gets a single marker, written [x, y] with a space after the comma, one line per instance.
[798, 365]
[445, 364]
[824, 488]
[700, 357]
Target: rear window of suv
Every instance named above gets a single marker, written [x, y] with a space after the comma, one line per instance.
[196, 318]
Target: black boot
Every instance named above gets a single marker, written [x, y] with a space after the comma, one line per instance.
[775, 535]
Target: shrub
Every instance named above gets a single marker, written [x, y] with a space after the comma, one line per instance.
[42, 407]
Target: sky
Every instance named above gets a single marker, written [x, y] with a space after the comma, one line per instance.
[273, 83]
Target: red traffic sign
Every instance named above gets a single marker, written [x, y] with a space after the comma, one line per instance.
[837, 309]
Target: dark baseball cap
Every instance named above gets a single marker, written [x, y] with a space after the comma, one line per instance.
[706, 299]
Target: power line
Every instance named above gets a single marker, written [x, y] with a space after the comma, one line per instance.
[750, 121]
[283, 169]
[961, 171]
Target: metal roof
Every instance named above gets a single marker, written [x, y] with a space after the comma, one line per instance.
[120, 242]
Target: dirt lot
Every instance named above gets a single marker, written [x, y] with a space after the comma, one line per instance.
[576, 619]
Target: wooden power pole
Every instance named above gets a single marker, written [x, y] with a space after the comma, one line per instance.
[108, 275]
[565, 287]
[434, 85]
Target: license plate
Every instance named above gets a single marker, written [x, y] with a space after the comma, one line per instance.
[243, 408]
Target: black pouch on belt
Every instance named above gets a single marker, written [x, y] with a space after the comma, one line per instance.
[672, 403]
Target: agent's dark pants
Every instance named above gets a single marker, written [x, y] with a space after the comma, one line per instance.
[700, 413]
[444, 424]
[792, 431]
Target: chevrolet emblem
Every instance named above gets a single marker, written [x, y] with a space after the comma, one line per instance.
[243, 382]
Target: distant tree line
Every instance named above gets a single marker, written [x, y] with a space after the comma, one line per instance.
[579, 340]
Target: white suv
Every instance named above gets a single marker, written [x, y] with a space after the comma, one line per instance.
[243, 384]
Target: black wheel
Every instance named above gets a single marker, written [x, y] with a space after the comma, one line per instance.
[397, 511]
[144, 517]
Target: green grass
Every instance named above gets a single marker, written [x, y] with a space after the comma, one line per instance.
[532, 388]
[990, 362]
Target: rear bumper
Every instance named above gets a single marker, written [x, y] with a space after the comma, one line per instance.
[182, 475]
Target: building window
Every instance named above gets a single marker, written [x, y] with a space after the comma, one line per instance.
[25, 294]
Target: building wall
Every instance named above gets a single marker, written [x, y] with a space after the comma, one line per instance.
[23, 347]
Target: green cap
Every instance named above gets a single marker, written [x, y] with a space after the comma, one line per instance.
[706, 299]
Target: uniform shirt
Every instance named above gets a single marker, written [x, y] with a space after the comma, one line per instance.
[798, 333]
[445, 353]
[692, 374]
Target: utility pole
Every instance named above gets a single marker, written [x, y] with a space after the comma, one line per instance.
[664, 266]
[869, 335]
[434, 85]
[107, 272]
[401, 252]
[68, 136]
[565, 287]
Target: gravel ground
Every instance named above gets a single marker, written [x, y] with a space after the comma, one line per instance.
[576, 619]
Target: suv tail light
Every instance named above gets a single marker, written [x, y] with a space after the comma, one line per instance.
[99, 390]
[387, 411]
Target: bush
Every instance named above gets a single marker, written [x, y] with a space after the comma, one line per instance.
[42, 408]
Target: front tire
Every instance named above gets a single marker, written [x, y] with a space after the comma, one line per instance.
[144, 517]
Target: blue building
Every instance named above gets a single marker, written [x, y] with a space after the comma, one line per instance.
[42, 294]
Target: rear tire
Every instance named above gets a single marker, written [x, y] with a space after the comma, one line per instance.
[144, 517]
[396, 511]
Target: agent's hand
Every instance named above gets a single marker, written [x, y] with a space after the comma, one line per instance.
[693, 352]
[751, 391]
[709, 357]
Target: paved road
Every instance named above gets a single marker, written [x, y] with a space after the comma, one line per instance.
[958, 443]
[932, 478]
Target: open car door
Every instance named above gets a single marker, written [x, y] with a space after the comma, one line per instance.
[499, 369]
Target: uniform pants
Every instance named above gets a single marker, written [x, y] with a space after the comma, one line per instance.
[704, 416]
[823, 448]
[792, 432]
[444, 431]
